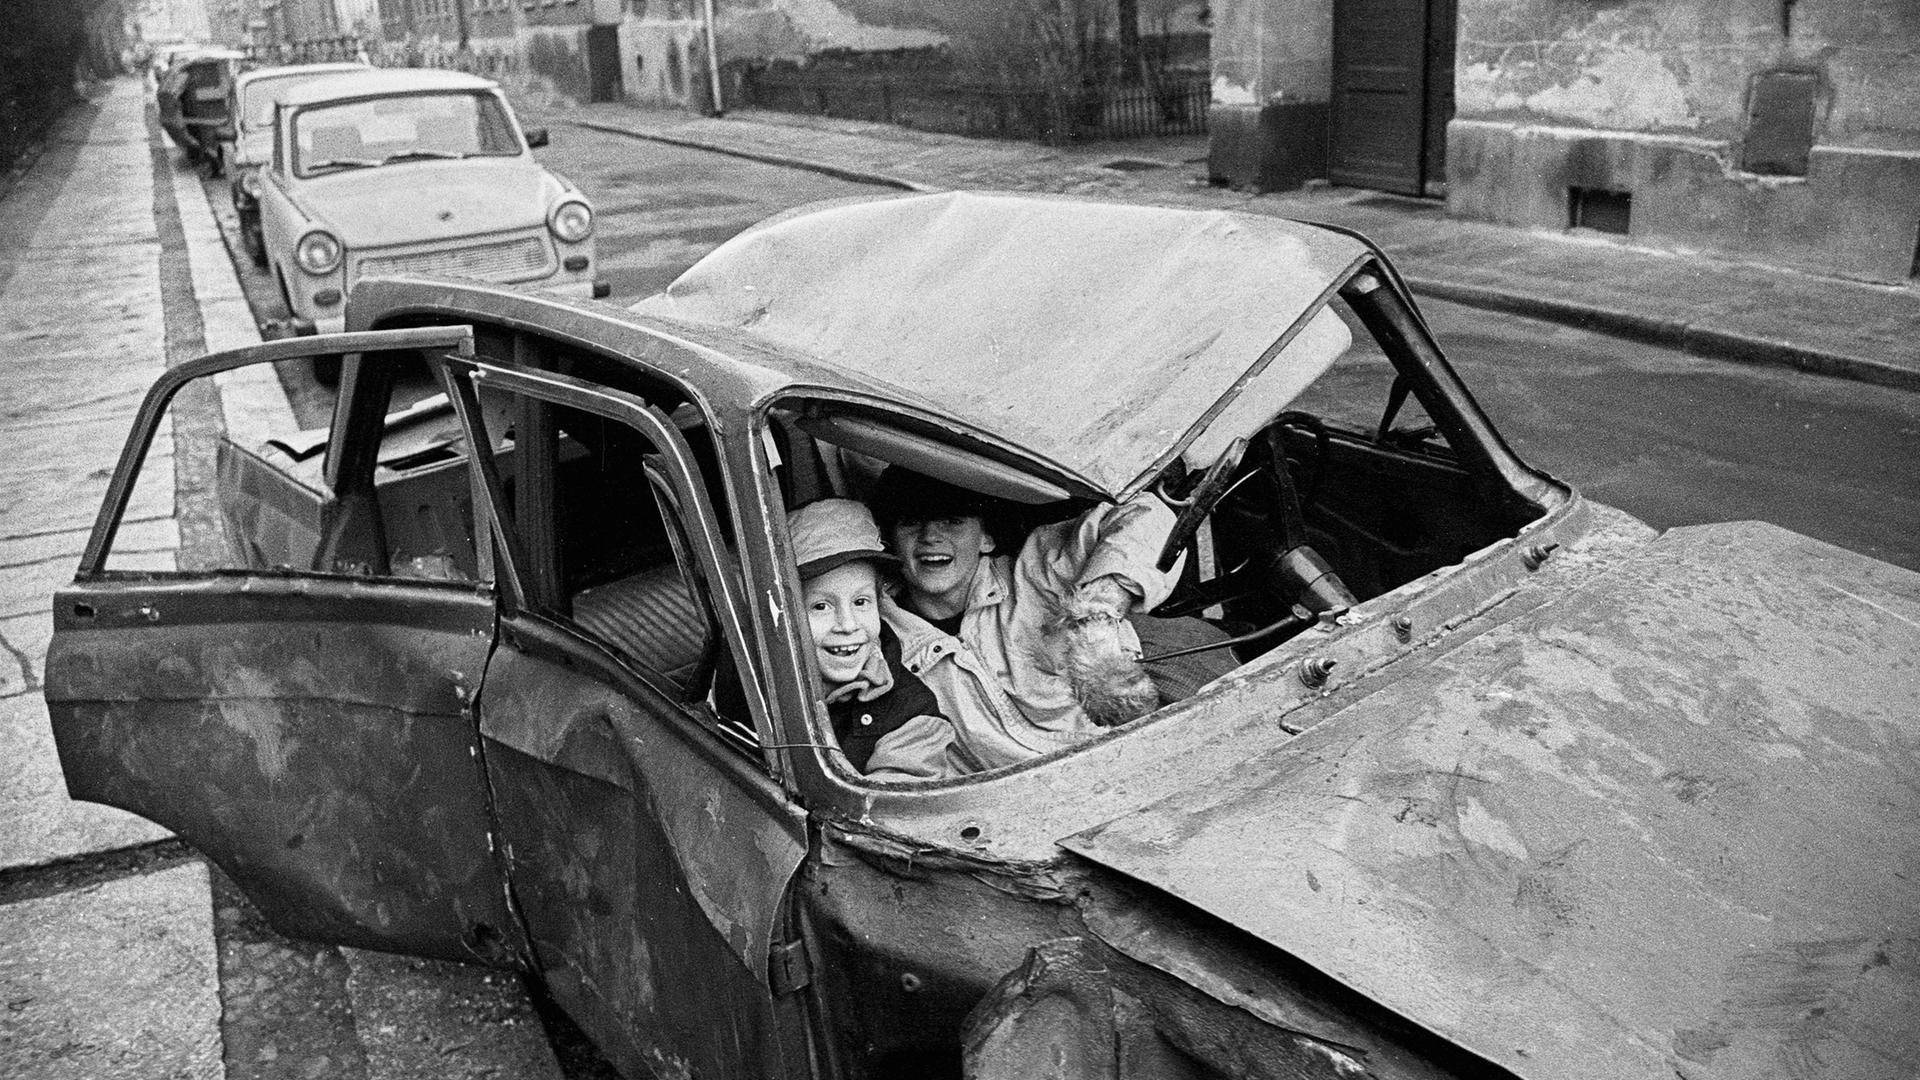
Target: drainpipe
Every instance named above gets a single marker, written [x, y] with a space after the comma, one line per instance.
[713, 61]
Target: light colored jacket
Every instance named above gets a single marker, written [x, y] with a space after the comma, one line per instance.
[995, 681]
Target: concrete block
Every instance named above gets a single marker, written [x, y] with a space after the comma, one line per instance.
[112, 981]
[1856, 214]
[1275, 147]
[39, 824]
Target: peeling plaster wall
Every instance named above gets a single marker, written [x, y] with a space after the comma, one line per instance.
[558, 55]
[795, 29]
[1871, 53]
[1272, 81]
[1278, 50]
[1650, 97]
[662, 62]
[1629, 65]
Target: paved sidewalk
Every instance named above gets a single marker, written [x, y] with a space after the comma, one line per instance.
[1710, 307]
[116, 976]
[120, 955]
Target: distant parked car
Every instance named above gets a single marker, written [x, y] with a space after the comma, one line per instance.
[413, 170]
[192, 100]
[247, 139]
[1498, 783]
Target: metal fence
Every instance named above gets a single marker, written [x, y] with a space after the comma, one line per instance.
[1177, 105]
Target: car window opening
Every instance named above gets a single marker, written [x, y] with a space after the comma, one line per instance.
[605, 538]
[400, 128]
[1349, 491]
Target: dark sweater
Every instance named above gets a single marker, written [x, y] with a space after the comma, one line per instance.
[860, 724]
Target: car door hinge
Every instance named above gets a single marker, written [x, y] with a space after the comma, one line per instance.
[791, 969]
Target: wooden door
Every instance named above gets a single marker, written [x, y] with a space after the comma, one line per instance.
[1392, 94]
[603, 63]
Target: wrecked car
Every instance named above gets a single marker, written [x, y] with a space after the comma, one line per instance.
[1531, 791]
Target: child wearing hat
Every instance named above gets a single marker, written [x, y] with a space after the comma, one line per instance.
[887, 722]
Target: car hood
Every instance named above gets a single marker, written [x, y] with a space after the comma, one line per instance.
[1105, 337]
[424, 201]
[1668, 824]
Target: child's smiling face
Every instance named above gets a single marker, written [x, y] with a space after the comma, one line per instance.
[938, 559]
[843, 611]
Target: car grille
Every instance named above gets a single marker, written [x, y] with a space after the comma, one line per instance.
[508, 260]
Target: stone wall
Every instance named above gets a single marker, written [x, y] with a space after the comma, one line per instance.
[1783, 133]
[1272, 81]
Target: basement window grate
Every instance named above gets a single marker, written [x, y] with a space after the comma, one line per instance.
[1600, 209]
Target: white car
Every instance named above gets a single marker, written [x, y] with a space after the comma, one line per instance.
[410, 170]
[247, 141]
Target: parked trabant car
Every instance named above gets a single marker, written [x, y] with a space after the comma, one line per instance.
[190, 98]
[247, 137]
[1536, 792]
[413, 170]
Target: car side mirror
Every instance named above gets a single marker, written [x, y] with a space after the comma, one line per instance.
[536, 138]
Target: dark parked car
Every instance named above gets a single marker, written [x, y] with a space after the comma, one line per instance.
[1536, 793]
[192, 100]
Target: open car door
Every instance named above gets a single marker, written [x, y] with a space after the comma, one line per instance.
[650, 846]
[267, 664]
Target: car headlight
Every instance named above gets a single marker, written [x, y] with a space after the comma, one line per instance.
[571, 221]
[250, 183]
[317, 252]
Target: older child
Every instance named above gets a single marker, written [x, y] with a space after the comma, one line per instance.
[1028, 651]
[886, 720]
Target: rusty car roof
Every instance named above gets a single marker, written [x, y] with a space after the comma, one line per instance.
[1102, 336]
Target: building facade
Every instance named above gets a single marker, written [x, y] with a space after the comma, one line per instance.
[1779, 131]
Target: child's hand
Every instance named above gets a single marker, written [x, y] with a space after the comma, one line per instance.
[1103, 595]
[1100, 662]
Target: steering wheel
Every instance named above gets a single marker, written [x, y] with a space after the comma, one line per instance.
[1284, 565]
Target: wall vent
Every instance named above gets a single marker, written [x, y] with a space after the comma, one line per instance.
[1780, 116]
[1600, 209]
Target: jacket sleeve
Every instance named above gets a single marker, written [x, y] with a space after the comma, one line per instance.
[920, 749]
[1119, 541]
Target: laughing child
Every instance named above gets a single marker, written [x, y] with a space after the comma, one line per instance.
[887, 722]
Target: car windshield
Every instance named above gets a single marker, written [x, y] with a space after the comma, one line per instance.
[259, 96]
[410, 127]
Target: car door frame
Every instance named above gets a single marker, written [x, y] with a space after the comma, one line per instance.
[689, 886]
[278, 749]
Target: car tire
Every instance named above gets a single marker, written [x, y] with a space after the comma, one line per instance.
[280, 279]
[252, 238]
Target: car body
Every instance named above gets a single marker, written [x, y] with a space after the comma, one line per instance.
[191, 99]
[247, 140]
[396, 170]
[1540, 793]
